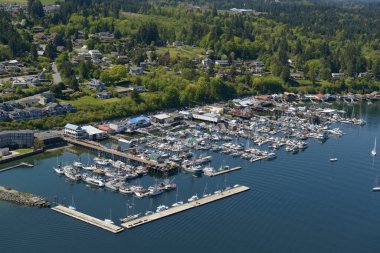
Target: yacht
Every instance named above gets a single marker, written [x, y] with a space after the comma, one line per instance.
[333, 159]
[59, 170]
[376, 189]
[125, 189]
[148, 213]
[271, 156]
[94, 181]
[71, 173]
[78, 164]
[161, 208]
[154, 191]
[193, 168]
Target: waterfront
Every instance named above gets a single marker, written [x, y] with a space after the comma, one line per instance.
[297, 203]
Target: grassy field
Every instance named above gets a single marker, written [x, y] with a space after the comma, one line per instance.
[91, 101]
[185, 51]
[24, 1]
[23, 150]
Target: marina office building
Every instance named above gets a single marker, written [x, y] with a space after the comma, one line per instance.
[16, 139]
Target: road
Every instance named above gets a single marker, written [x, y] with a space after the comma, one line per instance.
[56, 76]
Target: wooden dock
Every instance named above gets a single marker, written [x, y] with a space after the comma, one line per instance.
[88, 219]
[17, 166]
[184, 207]
[221, 172]
[111, 152]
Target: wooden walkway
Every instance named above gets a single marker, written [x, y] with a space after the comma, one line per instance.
[184, 207]
[88, 219]
[221, 172]
[100, 148]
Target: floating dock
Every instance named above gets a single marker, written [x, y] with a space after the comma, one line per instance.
[221, 172]
[16, 166]
[87, 218]
[184, 207]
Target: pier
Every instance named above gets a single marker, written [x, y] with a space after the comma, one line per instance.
[17, 166]
[184, 207]
[221, 172]
[88, 219]
[94, 146]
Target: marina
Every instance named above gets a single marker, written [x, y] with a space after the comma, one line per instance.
[87, 218]
[180, 208]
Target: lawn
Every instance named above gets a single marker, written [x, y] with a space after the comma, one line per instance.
[24, 1]
[23, 150]
[185, 51]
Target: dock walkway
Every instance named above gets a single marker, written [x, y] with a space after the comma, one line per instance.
[16, 166]
[87, 218]
[221, 172]
[184, 207]
[100, 148]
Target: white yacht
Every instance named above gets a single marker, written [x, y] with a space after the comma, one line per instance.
[373, 151]
[161, 208]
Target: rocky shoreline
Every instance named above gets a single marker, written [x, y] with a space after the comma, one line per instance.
[22, 198]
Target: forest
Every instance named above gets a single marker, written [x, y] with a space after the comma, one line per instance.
[314, 38]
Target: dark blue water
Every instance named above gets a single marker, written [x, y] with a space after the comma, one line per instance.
[298, 203]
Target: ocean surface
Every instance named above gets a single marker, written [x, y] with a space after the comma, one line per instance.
[297, 203]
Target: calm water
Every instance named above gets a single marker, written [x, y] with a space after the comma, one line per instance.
[298, 203]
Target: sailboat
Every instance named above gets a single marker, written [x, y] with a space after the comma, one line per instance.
[376, 188]
[72, 206]
[177, 203]
[373, 151]
[132, 216]
[109, 220]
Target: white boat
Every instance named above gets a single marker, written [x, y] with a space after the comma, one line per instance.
[333, 159]
[125, 190]
[111, 186]
[161, 208]
[94, 181]
[154, 191]
[109, 220]
[373, 151]
[208, 170]
[193, 198]
[72, 206]
[59, 170]
[376, 188]
[78, 164]
[130, 217]
[177, 203]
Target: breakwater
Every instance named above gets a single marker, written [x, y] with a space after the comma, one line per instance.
[22, 198]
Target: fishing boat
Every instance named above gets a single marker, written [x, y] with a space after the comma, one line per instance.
[373, 151]
[71, 173]
[154, 191]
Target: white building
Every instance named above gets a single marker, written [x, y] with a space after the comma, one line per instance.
[94, 133]
[210, 117]
[74, 131]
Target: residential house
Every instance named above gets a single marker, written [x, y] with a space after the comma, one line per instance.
[136, 70]
[104, 95]
[206, 62]
[222, 63]
[337, 75]
[96, 85]
[95, 54]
